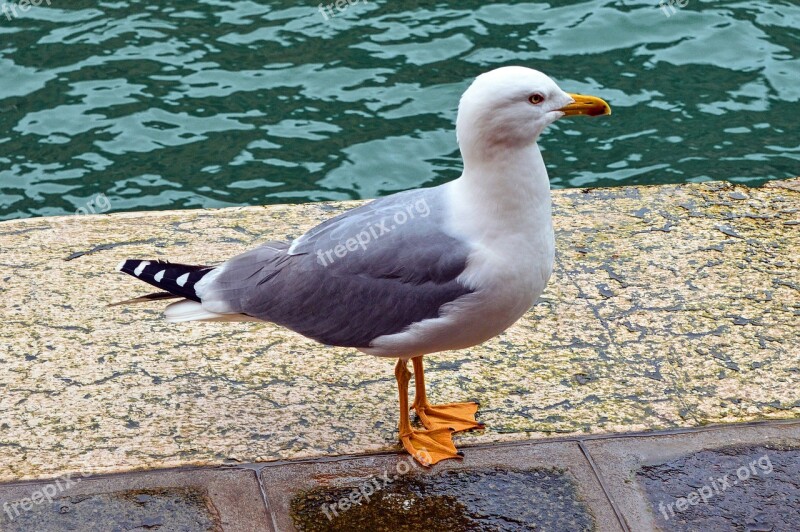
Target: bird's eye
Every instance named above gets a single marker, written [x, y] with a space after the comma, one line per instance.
[536, 99]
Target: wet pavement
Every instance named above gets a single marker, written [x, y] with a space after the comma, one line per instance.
[741, 477]
[479, 499]
[743, 488]
[179, 509]
[207, 500]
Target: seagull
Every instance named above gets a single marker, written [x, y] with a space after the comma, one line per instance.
[414, 273]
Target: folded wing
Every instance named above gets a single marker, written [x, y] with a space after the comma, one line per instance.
[369, 272]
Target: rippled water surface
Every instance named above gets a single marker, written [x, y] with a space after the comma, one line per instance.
[208, 103]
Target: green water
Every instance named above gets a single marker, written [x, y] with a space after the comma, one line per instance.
[211, 103]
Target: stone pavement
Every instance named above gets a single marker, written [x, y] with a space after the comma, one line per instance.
[670, 307]
[732, 477]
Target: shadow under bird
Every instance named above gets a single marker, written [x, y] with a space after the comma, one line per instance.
[414, 273]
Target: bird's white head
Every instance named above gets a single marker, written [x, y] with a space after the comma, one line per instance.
[508, 108]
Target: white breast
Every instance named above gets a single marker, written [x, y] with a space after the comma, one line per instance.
[512, 259]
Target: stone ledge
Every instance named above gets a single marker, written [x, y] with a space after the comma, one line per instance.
[671, 306]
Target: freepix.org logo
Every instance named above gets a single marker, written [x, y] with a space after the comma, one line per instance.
[12, 10]
[340, 5]
[374, 231]
[717, 485]
[668, 6]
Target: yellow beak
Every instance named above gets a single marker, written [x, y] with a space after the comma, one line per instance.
[586, 105]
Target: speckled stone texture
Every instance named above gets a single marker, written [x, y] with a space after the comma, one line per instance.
[669, 306]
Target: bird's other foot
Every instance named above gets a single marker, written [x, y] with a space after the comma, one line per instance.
[430, 446]
[457, 416]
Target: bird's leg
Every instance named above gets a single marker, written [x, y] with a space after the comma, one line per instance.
[426, 446]
[457, 416]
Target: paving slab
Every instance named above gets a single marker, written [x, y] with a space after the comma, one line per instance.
[186, 501]
[738, 477]
[547, 486]
[732, 477]
[670, 306]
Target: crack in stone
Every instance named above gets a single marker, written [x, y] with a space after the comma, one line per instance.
[104, 247]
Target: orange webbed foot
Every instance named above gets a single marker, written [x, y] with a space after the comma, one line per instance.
[457, 416]
[429, 447]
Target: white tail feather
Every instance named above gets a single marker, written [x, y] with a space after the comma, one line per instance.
[187, 310]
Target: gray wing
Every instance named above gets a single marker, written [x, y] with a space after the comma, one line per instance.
[368, 272]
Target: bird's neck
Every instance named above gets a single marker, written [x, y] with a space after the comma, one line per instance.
[508, 190]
